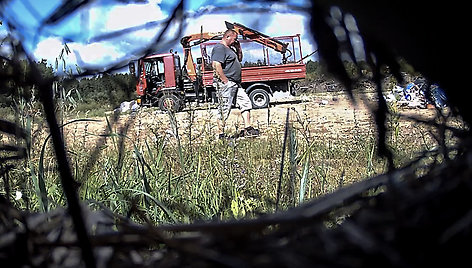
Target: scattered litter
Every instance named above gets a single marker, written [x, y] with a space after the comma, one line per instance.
[127, 106]
[18, 195]
[281, 95]
[306, 98]
[418, 94]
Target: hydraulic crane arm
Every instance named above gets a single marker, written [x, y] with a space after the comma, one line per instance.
[247, 33]
[258, 37]
[196, 39]
[188, 42]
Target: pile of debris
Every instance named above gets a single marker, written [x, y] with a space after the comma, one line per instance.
[126, 106]
[418, 94]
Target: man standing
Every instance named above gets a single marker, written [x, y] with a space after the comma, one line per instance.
[226, 61]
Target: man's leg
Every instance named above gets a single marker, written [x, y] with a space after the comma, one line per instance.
[226, 94]
[246, 115]
[245, 105]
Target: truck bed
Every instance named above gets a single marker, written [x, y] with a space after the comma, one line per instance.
[265, 73]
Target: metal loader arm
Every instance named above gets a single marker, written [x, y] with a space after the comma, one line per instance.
[247, 33]
[258, 37]
[192, 40]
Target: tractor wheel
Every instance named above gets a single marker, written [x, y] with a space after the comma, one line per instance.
[259, 98]
[170, 102]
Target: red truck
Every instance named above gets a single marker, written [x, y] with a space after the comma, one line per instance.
[164, 82]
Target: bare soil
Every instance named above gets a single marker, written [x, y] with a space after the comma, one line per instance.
[322, 115]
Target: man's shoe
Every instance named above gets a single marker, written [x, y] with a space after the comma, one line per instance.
[250, 132]
[222, 136]
[240, 134]
[237, 135]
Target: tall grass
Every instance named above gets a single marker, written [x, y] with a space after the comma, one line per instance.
[186, 176]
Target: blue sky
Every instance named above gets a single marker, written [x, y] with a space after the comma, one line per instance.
[85, 30]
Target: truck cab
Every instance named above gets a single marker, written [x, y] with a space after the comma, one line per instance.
[159, 81]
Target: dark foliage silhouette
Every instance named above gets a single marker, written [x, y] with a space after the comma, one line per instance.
[408, 222]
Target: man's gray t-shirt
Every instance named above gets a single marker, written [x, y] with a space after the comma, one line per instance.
[229, 62]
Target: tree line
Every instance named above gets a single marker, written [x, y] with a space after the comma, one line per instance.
[106, 91]
[101, 91]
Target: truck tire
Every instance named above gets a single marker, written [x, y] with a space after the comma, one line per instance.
[259, 98]
[170, 102]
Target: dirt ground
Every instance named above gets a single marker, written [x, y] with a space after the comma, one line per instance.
[323, 115]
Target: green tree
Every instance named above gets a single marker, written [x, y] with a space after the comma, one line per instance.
[103, 90]
[14, 87]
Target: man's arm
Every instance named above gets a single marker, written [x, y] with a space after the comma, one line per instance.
[219, 71]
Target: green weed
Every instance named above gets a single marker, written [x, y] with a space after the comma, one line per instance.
[187, 176]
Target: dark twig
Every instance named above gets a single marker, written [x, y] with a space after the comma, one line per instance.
[279, 185]
[68, 183]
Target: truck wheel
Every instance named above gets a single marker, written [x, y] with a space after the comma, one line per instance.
[170, 102]
[259, 98]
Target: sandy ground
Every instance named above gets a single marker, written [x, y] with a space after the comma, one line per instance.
[326, 116]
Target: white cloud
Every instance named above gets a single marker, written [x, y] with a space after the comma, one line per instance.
[50, 49]
[87, 54]
[286, 23]
[96, 52]
[210, 23]
[104, 19]
[125, 16]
